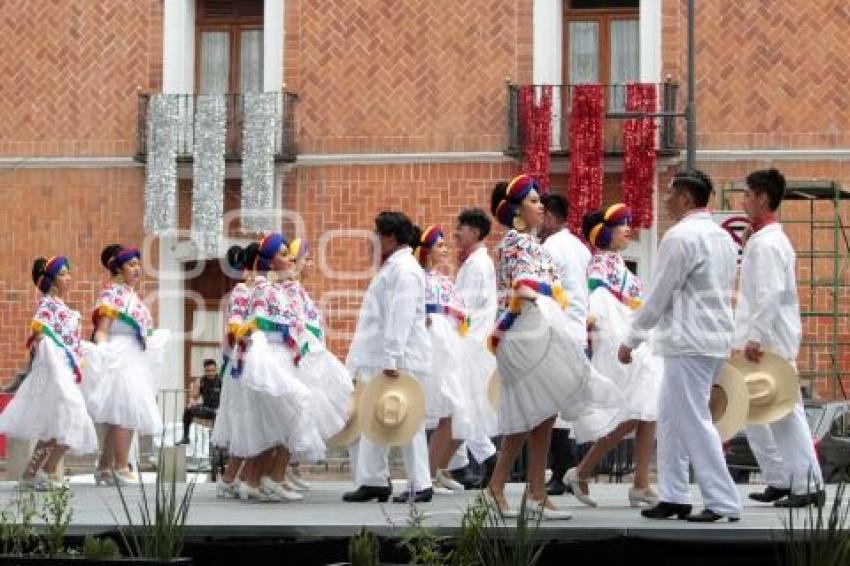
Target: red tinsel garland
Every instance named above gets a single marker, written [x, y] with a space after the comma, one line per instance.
[639, 153]
[586, 147]
[536, 123]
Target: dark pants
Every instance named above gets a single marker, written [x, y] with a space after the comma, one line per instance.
[562, 453]
[196, 412]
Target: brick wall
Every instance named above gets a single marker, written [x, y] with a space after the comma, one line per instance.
[376, 76]
[70, 72]
[770, 73]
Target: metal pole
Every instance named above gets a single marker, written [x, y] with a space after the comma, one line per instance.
[691, 106]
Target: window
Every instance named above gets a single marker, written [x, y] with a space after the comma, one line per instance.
[229, 46]
[839, 428]
[602, 46]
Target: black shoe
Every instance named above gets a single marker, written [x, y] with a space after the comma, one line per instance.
[488, 466]
[366, 493]
[184, 440]
[709, 516]
[818, 498]
[556, 487]
[422, 496]
[665, 510]
[770, 494]
[465, 477]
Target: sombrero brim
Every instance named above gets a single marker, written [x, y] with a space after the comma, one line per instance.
[786, 382]
[734, 418]
[494, 390]
[375, 430]
[351, 430]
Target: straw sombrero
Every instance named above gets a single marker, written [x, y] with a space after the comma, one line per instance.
[729, 402]
[494, 390]
[351, 430]
[773, 386]
[391, 409]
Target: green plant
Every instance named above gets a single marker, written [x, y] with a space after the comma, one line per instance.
[503, 545]
[100, 548]
[466, 551]
[56, 512]
[824, 540]
[421, 544]
[17, 534]
[159, 531]
[363, 549]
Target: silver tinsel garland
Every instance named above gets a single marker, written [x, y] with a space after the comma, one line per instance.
[208, 174]
[258, 162]
[163, 124]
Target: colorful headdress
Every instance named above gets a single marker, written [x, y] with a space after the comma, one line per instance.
[428, 240]
[518, 189]
[615, 215]
[122, 257]
[270, 245]
[298, 248]
[52, 269]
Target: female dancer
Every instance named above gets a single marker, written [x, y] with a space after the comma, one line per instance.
[240, 261]
[544, 370]
[615, 293]
[123, 391]
[276, 421]
[49, 405]
[448, 391]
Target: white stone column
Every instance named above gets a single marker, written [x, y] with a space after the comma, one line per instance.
[273, 36]
[178, 46]
[547, 62]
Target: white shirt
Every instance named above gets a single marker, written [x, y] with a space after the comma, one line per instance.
[476, 284]
[768, 310]
[391, 330]
[571, 259]
[688, 303]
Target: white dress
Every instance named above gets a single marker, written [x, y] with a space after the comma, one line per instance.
[277, 405]
[449, 389]
[544, 370]
[320, 370]
[121, 389]
[49, 404]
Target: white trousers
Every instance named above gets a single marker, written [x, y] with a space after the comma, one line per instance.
[687, 435]
[785, 452]
[372, 468]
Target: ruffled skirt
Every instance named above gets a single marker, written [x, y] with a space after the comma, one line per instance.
[230, 403]
[545, 371]
[330, 387]
[639, 381]
[448, 387]
[275, 407]
[49, 404]
[121, 388]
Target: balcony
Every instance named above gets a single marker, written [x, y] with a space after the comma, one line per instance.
[284, 138]
[668, 139]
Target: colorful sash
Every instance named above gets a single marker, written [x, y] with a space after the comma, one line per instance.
[463, 320]
[270, 326]
[40, 328]
[507, 319]
[114, 314]
[631, 302]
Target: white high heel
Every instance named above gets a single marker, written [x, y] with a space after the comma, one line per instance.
[504, 510]
[295, 480]
[539, 509]
[645, 495]
[578, 492]
[247, 492]
[103, 477]
[447, 482]
[223, 490]
[268, 485]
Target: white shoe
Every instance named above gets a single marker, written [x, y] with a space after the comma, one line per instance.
[578, 492]
[646, 495]
[296, 481]
[270, 486]
[223, 490]
[39, 482]
[246, 492]
[439, 489]
[447, 482]
[103, 477]
[125, 477]
[538, 508]
[504, 510]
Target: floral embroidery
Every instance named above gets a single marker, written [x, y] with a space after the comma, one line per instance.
[440, 290]
[122, 298]
[52, 313]
[608, 269]
[521, 256]
[239, 304]
[278, 302]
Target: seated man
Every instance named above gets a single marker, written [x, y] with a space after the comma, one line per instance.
[203, 399]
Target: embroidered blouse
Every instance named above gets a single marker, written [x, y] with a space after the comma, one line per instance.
[608, 269]
[119, 302]
[60, 324]
[521, 256]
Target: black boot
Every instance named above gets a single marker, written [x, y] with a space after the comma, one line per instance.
[366, 493]
[770, 494]
[665, 510]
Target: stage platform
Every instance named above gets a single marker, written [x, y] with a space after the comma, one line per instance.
[323, 521]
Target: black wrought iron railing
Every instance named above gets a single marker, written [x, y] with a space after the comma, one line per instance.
[284, 139]
[669, 118]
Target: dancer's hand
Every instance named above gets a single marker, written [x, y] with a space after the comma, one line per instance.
[753, 352]
[527, 293]
[624, 354]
